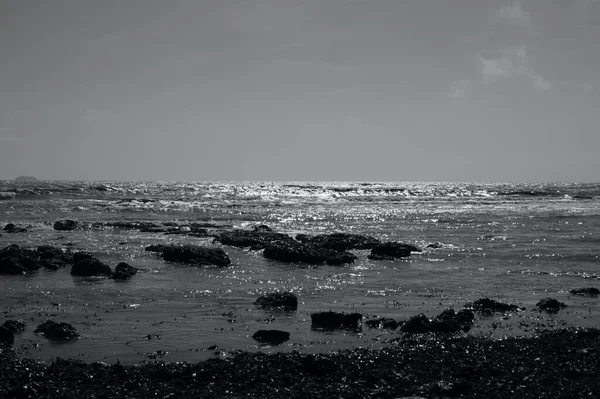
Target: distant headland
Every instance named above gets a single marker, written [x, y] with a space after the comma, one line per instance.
[25, 178]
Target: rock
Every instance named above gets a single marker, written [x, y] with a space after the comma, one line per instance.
[589, 291]
[6, 336]
[298, 252]
[255, 239]
[283, 300]
[57, 331]
[465, 317]
[195, 255]
[65, 224]
[16, 260]
[11, 228]
[488, 306]
[123, 271]
[419, 324]
[550, 305]
[435, 245]
[54, 258]
[16, 326]
[271, 337]
[156, 248]
[11, 266]
[89, 267]
[340, 241]
[335, 320]
[382, 322]
[391, 251]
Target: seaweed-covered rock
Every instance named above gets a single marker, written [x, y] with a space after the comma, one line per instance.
[382, 322]
[255, 239]
[124, 271]
[335, 320]
[57, 331]
[392, 250]
[271, 337]
[550, 305]
[6, 336]
[195, 255]
[65, 225]
[340, 241]
[89, 267]
[488, 306]
[16, 260]
[16, 326]
[589, 291]
[298, 252]
[283, 300]
[418, 324]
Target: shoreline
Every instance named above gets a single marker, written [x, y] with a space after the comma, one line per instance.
[554, 363]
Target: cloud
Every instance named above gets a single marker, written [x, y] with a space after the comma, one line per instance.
[513, 13]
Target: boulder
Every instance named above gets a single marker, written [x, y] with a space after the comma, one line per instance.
[392, 250]
[550, 305]
[195, 255]
[6, 336]
[271, 337]
[89, 267]
[589, 291]
[335, 320]
[12, 228]
[57, 331]
[419, 324]
[382, 322]
[16, 326]
[54, 258]
[282, 300]
[123, 271]
[157, 248]
[65, 224]
[489, 306]
[255, 239]
[340, 241]
[16, 260]
[447, 322]
[298, 252]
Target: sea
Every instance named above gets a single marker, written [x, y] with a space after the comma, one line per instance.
[515, 243]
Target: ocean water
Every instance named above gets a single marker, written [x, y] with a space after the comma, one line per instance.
[509, 242]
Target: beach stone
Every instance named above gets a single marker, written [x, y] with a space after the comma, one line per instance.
[156, 248]
[488, 306]
[12, 228]
[89, 267]
[16, 326]
[124, 271]
[298, 252]
[195, 255]
[7, 337]
[65, 224]
[550, 305]
[54, 258]
[391, 251]
[589, 291]
[340, 241]
[382, 322]
[335, 320]
[465, 317]
[16, 260]
[283, 300]
[418, 324]
[57, 331]
[255, 239]
[271, 337]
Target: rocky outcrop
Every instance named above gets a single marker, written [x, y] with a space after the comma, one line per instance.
[418, 324]
[65, 225]
[447, 322]
[335, 320]
[16, 260]
[489, 306]
[392, 250]
[550, 305]
[89, 267]
[281, 300]
[54, 258]
[7, 337]
[195, 255]
[297, 252]
[382, 322]
[340, 241]
[12, 228]
[16, 326]
[589, 291]
[255, 239]
[271, 337]
[124, 271]
[54, 331]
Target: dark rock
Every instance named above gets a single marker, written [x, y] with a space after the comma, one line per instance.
[391, 251]
[123, 271]
[382, 322]
[6, 336]
[550, 305]
[298, 252]
[335, 320]
[283, 300]
[54, 258]
[263, 228]
[435, 245]
[271, 337]
[65, 224]
[589, 291]
[57, 331]
[465, 317]
[11, 266]
[16, 260]
[79, 256]
[419, 324]
[157, 247]
[445, 326]
[450, 322]
[90, 267]
[16, 326]
[488, 306]
[340, 241]
[255, 239]
[12, 228]
[195, 255]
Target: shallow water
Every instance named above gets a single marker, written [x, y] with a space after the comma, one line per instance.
[514, 243]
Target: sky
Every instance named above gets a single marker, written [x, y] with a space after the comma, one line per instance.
[302, 90]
